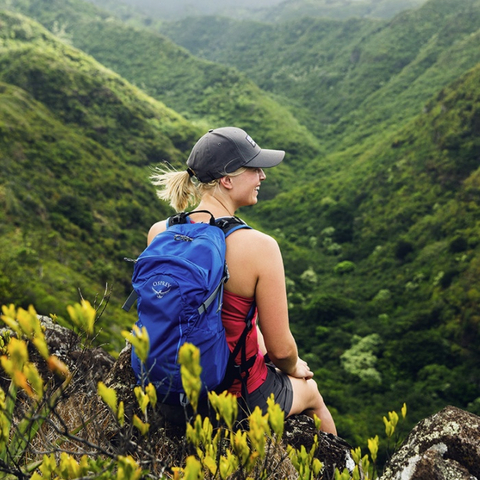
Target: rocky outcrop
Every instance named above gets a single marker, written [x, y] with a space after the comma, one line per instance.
[445, 446]
[89, 365]
[300, 430]
[332, 451]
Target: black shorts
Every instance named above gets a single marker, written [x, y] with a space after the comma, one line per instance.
[277, 383]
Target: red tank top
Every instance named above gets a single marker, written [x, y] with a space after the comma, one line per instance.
[234, 311]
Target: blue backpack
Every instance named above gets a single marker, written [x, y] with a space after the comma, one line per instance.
[178, 281]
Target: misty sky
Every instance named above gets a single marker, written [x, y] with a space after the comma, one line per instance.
[189, 7]
[175, 9]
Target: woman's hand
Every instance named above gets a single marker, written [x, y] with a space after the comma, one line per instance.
[301, 370]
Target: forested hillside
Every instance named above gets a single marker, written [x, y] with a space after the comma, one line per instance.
[208, 94]
[75, 146]
[383, 263]
[376, 206]
[347, 81]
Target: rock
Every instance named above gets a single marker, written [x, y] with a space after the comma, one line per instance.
[300, 430]
[332, 451]
[89, 365]
[166, 438]
[121, 378]
[445, 446]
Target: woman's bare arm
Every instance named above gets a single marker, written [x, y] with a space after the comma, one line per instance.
[271, 298]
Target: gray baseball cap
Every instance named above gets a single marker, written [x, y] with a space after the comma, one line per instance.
[224, 150]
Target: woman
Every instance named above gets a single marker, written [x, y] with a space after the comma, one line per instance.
[228, 166]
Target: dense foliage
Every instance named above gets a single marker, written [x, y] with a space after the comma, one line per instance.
[75, 146]
[384, 263]
[379, 224]
[348, 81]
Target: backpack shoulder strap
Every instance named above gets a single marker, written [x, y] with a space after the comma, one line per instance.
[183, 217]
[235, 371]
[227, 224]
[230, 224]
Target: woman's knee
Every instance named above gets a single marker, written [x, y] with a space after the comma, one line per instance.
[306, 396]
[317, 398]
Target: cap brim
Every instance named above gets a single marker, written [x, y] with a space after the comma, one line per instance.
[266, 159]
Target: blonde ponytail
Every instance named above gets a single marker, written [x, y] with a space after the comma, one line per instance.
[177, 188]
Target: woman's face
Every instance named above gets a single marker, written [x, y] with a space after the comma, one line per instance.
[246, 186]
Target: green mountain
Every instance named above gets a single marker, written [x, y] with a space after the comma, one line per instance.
[383, 267]
[76, 144]
[207, 94]
[346, 80]
[378, 225]
[185, 8]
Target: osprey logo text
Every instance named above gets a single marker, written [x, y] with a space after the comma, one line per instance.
[161, 288]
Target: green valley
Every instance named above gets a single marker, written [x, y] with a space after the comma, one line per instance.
[346, 80]
[376, 207]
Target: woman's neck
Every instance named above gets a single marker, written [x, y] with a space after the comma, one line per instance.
[218, 207]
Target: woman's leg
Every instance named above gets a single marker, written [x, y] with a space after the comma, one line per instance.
[308, 400]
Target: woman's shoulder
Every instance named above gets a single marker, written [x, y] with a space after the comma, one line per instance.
[155, 229]
[254, 238]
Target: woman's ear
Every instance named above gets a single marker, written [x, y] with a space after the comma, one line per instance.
[226, 182]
